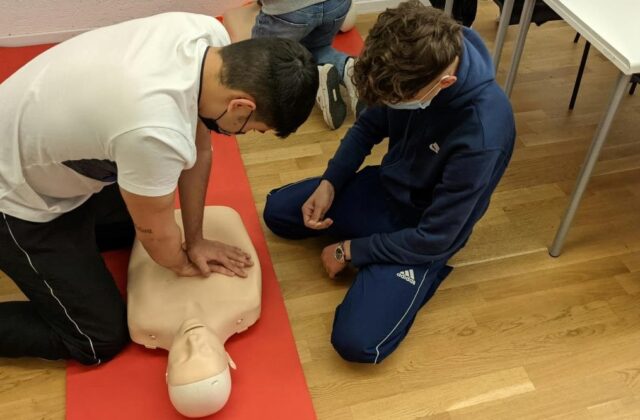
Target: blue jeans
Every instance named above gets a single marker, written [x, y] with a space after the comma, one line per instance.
[384, 299]
[314, 27]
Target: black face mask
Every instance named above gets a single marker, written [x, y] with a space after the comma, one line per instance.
[212, 124]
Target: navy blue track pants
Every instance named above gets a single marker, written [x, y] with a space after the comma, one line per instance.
[381, 304]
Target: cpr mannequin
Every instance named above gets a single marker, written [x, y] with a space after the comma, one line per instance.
[192, 317]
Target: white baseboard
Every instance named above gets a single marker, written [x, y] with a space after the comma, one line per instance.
[27, 22]
[43, 38]
[376, 6]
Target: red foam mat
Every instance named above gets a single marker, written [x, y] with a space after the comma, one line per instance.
[269, 382]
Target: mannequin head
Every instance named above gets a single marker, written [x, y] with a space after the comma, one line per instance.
[198, 372]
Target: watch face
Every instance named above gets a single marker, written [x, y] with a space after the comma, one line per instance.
[339, 254]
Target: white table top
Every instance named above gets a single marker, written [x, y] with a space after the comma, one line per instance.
[612, 26]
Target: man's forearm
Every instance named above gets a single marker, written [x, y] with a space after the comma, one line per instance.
[192, 188]
[164, 247]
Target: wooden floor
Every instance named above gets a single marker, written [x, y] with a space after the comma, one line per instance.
[512, 333]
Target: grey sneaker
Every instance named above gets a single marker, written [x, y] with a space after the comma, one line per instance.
[356, 105]
[329, 98]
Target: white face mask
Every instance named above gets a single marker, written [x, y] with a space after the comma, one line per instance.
[420, 103]
[411, 105]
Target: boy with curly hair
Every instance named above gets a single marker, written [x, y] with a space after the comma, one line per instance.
[431, 91]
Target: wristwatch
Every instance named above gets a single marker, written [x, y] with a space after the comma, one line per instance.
[340, 254]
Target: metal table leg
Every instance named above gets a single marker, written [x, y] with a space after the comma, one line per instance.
[448, 7]
[525, 20]
[589, 163]
[505, 17]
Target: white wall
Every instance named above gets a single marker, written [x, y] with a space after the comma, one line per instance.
[26, 22]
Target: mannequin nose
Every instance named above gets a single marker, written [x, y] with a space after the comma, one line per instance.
[198, 345]
[194, 341]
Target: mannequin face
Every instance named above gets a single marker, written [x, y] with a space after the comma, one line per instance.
[197, 353]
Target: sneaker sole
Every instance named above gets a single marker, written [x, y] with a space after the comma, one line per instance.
[333, 107]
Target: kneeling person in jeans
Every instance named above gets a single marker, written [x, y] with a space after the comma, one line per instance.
[430, 87]
[315, 23]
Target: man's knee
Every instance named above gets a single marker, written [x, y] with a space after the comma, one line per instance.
[93, 347]
[113, 342]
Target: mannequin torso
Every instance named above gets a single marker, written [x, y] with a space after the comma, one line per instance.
[159, 301]
[192, 317]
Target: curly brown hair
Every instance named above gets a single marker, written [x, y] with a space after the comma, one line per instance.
[407, 48]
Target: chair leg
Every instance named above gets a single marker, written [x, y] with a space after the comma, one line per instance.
[575, 40]
[576, 85]
[632, 90]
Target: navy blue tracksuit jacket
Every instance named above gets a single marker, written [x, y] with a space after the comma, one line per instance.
[442, 165]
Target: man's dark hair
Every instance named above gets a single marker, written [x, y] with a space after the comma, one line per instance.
[280, 74]
[406, 49]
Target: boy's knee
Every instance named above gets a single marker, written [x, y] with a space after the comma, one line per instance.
[350, 345]
[283, 218]
[272, 210]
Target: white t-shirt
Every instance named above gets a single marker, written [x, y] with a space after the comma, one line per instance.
[119, 103]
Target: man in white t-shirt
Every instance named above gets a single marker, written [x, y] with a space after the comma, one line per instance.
[97, 135]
